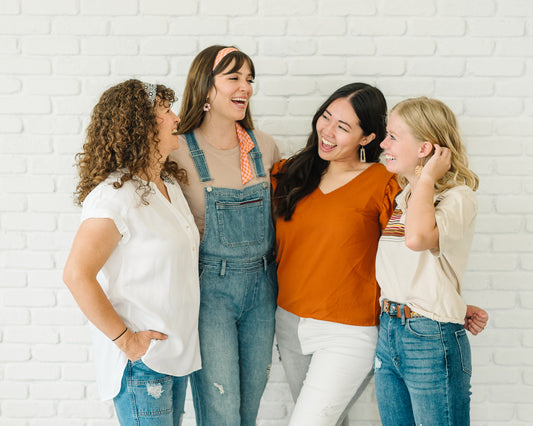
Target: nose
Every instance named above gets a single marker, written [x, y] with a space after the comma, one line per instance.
[328, 129]
[385, 142]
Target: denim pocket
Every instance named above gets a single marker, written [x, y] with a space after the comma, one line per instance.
[152, 391]
[424, 328]
[464, 349]
[241, 223]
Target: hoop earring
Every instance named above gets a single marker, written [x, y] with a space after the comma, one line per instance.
[362, 154]
[207, 106]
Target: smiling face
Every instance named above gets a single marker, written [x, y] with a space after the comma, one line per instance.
[402, 149]
[167, 123]
[231, 93]
[339, 133]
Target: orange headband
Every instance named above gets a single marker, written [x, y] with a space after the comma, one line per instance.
[221, 53]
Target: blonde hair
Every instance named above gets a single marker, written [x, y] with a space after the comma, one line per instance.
[433, 121]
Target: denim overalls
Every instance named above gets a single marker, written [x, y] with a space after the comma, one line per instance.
[238, 298]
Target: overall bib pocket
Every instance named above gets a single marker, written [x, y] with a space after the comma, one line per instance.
[240, 223]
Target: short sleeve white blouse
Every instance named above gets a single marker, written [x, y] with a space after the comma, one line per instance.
[151, 278]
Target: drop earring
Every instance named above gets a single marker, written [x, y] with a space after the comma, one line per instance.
[418, 169]
[362, 154]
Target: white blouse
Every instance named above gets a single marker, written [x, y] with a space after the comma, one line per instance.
[151, 278]
[429, 281]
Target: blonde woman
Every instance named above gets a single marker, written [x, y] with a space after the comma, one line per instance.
[423, 365]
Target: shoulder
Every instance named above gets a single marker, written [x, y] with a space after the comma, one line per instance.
[105, 193]
[263, 138]
[459, 202]
[267, 144]
[276, 167]
[268, 147]
[458, 193]
[379, 170]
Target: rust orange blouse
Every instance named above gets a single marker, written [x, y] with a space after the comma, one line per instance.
[327, 251]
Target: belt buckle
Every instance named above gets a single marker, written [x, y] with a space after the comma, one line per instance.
[390, 308]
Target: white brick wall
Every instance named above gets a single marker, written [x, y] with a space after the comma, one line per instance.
[57, 56]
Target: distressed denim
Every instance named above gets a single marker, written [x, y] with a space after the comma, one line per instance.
[149, 398]
[238, 292]
[422, 372]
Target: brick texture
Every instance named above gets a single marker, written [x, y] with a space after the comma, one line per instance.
[56, 58]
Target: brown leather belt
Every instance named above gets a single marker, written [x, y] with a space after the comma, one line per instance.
[393, 309]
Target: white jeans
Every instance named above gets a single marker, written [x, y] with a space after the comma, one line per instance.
[325, 363]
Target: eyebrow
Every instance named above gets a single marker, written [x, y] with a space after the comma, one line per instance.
[237, 72]
[340, 121]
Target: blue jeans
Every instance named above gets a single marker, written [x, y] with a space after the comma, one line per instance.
[422, 372]
[236, 327]
[238, 292]
[149, 398]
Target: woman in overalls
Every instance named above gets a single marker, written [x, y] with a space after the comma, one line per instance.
[228, 191]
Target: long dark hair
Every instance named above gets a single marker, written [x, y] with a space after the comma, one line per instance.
[300, 175]
[201, 79]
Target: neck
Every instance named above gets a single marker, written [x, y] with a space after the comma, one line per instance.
[337, 168]
[219, 133]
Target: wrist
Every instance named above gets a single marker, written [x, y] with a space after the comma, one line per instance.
[123, 341]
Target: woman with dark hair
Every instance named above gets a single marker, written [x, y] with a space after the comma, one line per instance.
[228, 164]
[132, 268]
[332, 200]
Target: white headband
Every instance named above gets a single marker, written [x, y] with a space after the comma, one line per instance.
[151, 90]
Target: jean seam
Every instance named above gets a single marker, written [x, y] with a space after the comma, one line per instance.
[457, 335]
[133, 402]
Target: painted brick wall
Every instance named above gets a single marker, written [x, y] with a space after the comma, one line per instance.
[57, 56]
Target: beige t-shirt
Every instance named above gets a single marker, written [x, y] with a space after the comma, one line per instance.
[224, 168]
[429, 281]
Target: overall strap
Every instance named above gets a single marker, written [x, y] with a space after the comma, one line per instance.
[256, 156]
[198, 157]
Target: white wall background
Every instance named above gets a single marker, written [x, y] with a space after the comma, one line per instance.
[56, 58]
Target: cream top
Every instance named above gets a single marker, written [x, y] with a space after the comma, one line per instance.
[224, 168]
[151, 279]
[429, 281]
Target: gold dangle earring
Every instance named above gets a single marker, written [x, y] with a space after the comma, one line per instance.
[418, 169]
[362, 154]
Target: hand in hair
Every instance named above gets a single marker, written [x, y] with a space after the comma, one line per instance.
[439, 163]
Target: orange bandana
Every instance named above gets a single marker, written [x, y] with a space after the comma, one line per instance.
[221, 53]
[246, 144]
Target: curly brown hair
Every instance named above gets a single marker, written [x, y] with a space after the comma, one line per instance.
[120, 135]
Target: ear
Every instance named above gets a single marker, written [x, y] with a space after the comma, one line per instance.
[367, 139]
[425, 149]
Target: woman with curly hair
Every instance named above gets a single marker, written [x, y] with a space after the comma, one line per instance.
[132, 268]
[228, 164]
[423, 366]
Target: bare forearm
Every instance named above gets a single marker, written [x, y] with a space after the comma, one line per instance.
[96, 306]
[421, 231]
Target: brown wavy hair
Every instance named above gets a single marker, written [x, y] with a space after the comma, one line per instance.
[200, 81]
[120, 137]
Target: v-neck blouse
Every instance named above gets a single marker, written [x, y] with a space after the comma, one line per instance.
[327, 251]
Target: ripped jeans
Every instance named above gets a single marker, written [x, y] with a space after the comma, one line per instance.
[422, 372]
[149, 398]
